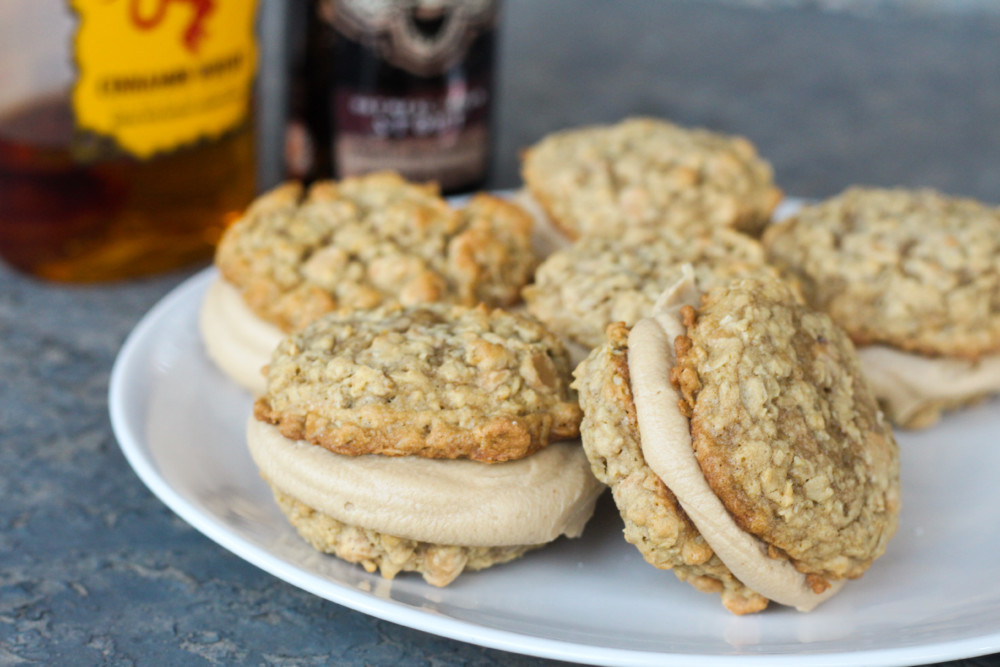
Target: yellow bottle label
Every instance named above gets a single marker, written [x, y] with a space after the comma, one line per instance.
[155, 75]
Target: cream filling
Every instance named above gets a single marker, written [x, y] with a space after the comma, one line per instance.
[239, 342]
[666, 445]
[909, 383]
[530, 501]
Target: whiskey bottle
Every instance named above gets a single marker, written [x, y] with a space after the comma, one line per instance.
[126, 134]
[406, 85]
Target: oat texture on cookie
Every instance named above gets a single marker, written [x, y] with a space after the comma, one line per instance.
[916, 270]
[580, 290]
[372, 240]
[649, 172]
[433, 380]
[787, 431]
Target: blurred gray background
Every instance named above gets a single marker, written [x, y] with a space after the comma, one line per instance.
[898, 92]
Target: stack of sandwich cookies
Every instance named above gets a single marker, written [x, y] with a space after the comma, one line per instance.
[914, 278]
[645, 172]
[580, 290]
[743, 446]
[358, 243]
[424, 438]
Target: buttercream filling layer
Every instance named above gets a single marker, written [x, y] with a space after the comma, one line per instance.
[236, 340]
[665, 436]
[529, 501]
[908, 383]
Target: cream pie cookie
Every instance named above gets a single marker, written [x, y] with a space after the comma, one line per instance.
[649, 172]
[375, 428]
[914, 278]
[742, 445]
[358, 243]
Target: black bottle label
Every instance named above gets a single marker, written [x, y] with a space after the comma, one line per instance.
[423, 37]
[411, 88]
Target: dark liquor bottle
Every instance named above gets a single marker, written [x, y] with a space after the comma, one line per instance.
[408, 86]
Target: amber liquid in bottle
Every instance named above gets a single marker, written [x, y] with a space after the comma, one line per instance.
[70, 220]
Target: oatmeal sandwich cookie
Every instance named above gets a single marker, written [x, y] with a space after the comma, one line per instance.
[418, 438]
[648, 172]
[742, 445]
[598, 280]
[914, 278]
[358, 243]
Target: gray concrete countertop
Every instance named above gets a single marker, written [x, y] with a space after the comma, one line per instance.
[94, 570]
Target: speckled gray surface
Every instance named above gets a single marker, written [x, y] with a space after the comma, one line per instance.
[96, 571]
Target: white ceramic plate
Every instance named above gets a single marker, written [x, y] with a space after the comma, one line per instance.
[934, 596]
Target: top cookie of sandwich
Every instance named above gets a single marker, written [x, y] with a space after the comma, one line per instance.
[371, 240]
[786, 430]
[648, 172]
[578, 291]
[915, 270]
[433, 380]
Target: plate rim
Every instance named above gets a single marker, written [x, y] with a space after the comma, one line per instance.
[135, 448]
